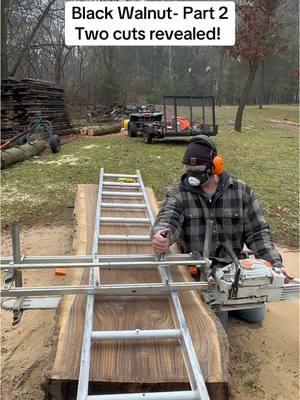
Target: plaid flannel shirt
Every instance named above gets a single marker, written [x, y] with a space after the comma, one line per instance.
[237, 220]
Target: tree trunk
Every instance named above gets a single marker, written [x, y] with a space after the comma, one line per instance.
[244, 97]
[104, 129]
[262, 81]
[220, 86]
[58, 67]
[137, 61]
[30, 39]
[4, 61]
[170, 67]
[21, 153]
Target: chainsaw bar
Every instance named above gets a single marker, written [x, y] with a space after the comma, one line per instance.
[32, 303]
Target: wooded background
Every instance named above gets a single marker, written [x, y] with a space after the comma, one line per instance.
[261, 68]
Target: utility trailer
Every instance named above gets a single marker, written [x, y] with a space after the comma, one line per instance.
[182, 116]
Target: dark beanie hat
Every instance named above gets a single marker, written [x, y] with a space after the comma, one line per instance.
[197, 154]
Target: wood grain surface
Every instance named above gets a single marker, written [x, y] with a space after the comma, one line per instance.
[156, 363]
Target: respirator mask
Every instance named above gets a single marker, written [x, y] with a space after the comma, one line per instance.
[198, 178]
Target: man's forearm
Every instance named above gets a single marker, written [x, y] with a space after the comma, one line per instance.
[169, 217]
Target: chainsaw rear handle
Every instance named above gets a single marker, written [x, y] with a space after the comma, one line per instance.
[164, 233]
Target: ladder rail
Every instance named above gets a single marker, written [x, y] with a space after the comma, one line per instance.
[183, 395]
[83, 380]
[191, 362]
[96, 271]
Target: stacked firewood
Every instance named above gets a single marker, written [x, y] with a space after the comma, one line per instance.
[23, 100]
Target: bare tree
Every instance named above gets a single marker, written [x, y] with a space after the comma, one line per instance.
[4, 62]
[256, 39]
[29, 40]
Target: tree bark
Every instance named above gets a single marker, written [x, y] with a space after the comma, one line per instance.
[104, 129]
[170, 67]
[262, 81]
[220, 86]
[244, 96]
[21, 153]
[31, 37]
[4, 61]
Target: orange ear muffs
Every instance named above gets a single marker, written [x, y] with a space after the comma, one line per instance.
[217, 161]
[218, 165]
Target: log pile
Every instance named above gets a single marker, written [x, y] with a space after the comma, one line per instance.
[23, 100]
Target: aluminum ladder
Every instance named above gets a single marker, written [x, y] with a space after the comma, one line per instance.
[198, 389]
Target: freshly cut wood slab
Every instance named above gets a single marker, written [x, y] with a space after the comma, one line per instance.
[130, 366]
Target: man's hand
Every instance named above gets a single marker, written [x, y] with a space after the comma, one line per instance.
[287, 276]
[160, 241]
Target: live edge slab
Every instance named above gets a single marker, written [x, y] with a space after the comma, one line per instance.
[132, 366]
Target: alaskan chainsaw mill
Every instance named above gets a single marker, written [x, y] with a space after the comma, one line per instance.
[239, 285]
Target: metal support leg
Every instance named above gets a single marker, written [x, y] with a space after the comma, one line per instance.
[204, 271]
[16, 245]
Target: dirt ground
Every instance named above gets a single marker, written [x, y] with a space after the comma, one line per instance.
[264, 356]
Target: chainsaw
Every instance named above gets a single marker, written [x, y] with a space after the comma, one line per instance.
[241, 284]
[247, 284]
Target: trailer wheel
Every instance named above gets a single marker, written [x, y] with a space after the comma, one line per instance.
[55, 144]
[132, 129]
[148, 134]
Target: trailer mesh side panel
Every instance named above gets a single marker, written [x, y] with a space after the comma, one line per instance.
[185, 115]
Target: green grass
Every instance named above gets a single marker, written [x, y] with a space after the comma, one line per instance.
[265, 155]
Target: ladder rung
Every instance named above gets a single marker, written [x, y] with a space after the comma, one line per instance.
[121, 176]
[137, 334]
[123, 205]
[183, 395]
[121, 184]
[124, 237]
[121, 194]
[126, 220]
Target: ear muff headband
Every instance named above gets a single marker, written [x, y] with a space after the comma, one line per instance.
[217, 161]
[202, 139]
